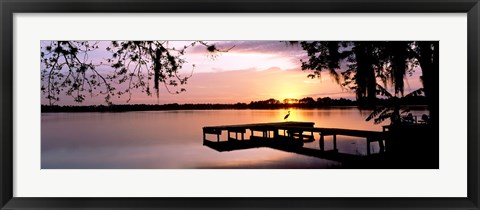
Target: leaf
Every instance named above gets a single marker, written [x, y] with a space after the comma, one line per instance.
[417, 92]
[383, 117]
[383, 92]
[376, 112]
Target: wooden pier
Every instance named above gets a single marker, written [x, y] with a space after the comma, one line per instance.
[288, 136]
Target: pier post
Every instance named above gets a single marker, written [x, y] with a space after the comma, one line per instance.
[335, 142]
[322, 143]
[368, 145]
[382, 146]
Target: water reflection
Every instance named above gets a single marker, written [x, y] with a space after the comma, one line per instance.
[173, 139]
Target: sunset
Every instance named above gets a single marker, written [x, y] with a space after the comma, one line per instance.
[247, 72]
[239, 104]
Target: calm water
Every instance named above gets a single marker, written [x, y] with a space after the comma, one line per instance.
[173, 139]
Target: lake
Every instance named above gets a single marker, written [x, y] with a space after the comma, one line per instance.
[173, 139]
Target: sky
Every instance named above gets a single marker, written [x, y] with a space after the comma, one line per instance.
[250, 71]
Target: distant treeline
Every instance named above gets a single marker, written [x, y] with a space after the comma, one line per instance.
[265, 104]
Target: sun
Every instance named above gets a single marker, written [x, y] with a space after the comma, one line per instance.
[288, 90]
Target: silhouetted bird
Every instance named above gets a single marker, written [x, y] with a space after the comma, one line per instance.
[286, 116]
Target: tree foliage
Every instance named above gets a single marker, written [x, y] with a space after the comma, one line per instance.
[66, 68]
[391, 108]
[367, 62]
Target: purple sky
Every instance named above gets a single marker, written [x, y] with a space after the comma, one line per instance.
[252, 70]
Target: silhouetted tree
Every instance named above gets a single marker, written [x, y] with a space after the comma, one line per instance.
[326, 101]
[67, 67]
[427, 53]
[369, 61]
[324, 56]
[357, 56]
[309, 101]
[390, 108]
[363, 61]
[272, 101]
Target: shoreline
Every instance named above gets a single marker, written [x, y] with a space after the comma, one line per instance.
[173, 107]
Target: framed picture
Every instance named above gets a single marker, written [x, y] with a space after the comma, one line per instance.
[252, 105]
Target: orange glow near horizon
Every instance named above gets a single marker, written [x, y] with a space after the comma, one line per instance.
[252, 73]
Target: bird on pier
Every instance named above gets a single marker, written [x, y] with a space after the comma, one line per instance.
[286, 116]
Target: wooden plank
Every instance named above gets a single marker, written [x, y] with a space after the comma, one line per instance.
[358, 133]
[237, 130]
[210, 130]
[247, 126]
[334, 131]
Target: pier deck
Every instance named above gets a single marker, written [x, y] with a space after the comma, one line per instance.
[288, 136]
[265, 128]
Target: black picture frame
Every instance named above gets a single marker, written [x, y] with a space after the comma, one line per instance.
[10, 7]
